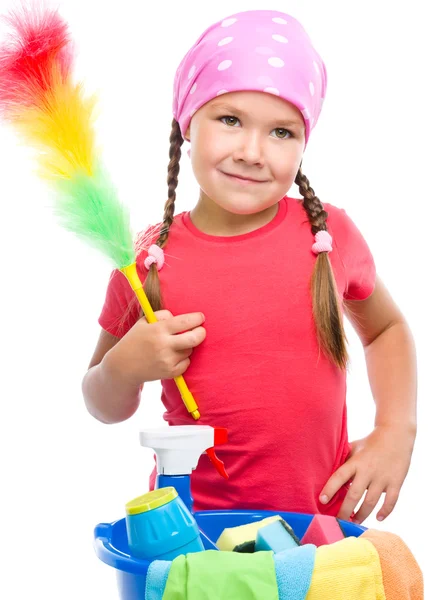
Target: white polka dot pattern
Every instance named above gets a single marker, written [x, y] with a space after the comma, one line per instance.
[228, 22]
[275, 61]
[279, 20]
[225, 64]
[279, 38]
[225, 41]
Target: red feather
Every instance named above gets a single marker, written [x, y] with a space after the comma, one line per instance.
[39, 44]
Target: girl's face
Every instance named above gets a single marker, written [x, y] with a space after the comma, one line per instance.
[252, 135]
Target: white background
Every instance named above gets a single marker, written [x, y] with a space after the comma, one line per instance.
[376, 151]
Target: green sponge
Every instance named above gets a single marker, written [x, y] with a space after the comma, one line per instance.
[243, 537]
[276, 537]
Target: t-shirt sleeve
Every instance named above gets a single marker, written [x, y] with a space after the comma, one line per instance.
[121, 308]
[355, 255]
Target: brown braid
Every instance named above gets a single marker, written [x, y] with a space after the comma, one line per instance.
[326, 308]
[152, 283]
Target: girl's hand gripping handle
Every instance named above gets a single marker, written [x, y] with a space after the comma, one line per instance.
[130, 273]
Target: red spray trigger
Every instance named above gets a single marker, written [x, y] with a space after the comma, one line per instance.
[220, 437]
[220, 467]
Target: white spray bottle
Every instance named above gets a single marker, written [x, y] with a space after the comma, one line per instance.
[178, 449]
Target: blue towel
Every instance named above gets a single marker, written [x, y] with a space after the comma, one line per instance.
[156, 579]
[294, 568]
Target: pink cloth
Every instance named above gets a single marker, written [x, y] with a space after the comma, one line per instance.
[259, 371]
[257, 50]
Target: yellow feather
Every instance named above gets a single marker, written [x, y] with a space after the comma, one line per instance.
[60, 126]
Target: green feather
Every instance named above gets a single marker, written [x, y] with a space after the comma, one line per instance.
[89, 207]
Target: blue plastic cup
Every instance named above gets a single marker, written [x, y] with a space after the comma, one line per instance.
[160, 527]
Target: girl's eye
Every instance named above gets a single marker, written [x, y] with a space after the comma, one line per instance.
[228, 117]
[285, 131]
[278, 129]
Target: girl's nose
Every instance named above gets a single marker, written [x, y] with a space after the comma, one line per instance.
[250, 148]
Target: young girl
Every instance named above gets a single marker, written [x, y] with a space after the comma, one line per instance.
[258, 283]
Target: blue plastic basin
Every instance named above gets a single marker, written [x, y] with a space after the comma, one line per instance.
[111, 543]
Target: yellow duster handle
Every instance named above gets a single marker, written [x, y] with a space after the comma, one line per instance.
[130, 273]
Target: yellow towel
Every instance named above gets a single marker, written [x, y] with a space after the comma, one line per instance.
[402, 577]
[347, 570]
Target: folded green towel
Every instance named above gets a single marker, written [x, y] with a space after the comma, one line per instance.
[214, 575]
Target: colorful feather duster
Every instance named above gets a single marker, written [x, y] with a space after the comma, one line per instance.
[39, 98]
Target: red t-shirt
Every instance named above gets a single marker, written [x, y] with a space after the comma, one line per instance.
[259, 371]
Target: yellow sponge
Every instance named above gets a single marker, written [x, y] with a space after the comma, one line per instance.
[243, 537]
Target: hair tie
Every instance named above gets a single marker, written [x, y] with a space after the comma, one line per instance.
[155, 255]
[323, 242]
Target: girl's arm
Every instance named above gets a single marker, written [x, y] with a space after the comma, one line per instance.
[106, 396]
[379, 463]
[390, 356]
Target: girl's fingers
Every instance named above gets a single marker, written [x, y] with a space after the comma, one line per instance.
[181, 367]
[184, 322]
[391, 498]
[371, 499]
[189, 339]
[336, 481]
[183, 354]
[163, 315]
[353, 497]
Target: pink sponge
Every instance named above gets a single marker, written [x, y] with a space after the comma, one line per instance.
[322, 530]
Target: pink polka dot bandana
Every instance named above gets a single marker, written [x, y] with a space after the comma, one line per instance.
[258, 50]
